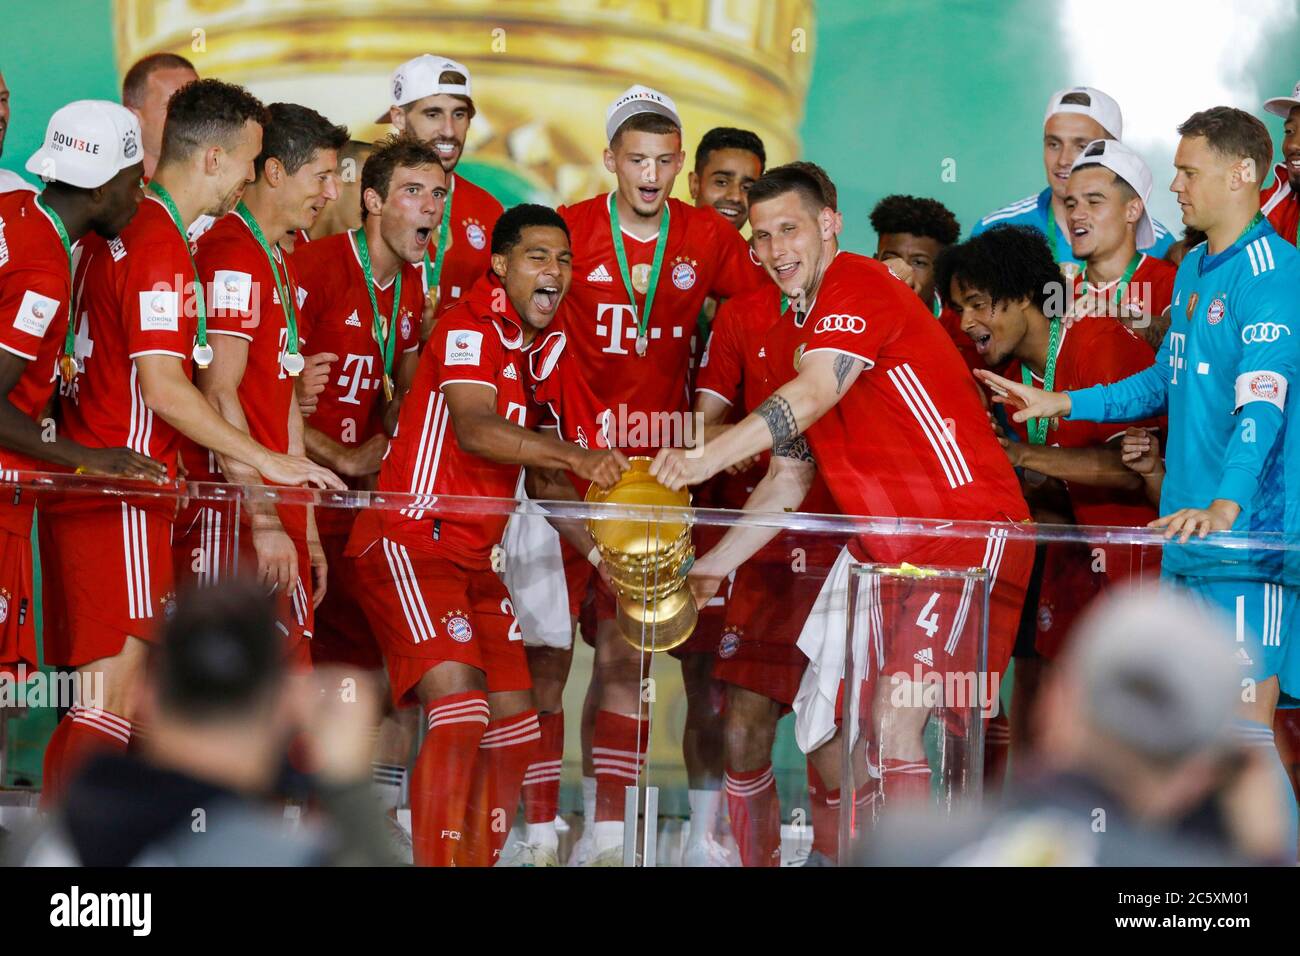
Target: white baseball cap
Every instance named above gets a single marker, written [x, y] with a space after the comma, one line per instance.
[87, 143]
[1131, 168]
[1100, 107]
[1283, 105]
[638, 99]
[420, 77]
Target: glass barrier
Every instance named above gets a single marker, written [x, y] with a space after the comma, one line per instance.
[644, 703]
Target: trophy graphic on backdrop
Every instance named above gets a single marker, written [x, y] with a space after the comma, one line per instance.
[544, 72]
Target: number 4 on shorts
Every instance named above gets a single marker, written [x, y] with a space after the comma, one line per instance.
[929, 624]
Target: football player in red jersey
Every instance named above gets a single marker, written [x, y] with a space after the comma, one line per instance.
[855, 347]
[1280, 200]
[994, 282]
[643, 264]
[915, 230]
[95, 189]
[433, 101]
[140, 321]
[364, 299]
[453, 645]
[256, 346]
[1106, 208]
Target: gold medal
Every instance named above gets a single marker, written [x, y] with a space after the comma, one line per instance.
[67, 367]
[388, 387]
[641, 277]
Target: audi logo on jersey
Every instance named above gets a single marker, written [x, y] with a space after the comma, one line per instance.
[840, 322]
[1263, 332]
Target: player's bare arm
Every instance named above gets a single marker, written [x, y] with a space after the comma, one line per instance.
[21, 434]
[319, 566]
[790, 410]
[1101, 466]
[169, 393]
[712, 412]
[782, 489]
[277, 557]
[481, 431]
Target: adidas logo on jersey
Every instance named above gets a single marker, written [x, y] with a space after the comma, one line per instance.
[354, 319]
[600, 274]
[510, 372]
[1243, 658]
[925, 656]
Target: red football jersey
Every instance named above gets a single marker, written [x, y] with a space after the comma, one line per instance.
[35, 288]
[1150, 291]
[1097, 352]
[472, 343]
[910, 438]
[137, 297]
[340, 319]
[474, 212]
[243, 301]
[704, 256]
[1281, 204]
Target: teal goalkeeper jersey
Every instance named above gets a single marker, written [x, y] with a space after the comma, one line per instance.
[1223, 375]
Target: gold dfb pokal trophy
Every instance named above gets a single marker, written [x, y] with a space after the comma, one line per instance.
[647, 560]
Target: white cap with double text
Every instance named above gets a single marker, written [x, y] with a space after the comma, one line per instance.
[87, 143]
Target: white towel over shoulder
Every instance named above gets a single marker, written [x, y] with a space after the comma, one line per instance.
[534, 576]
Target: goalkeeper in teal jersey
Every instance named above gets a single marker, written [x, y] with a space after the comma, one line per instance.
[1222, 375]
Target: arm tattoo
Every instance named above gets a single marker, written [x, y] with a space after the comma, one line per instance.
[796, 448]
[844, 364]
[779, 417]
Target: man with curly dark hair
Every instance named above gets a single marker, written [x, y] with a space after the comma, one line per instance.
[915, 229]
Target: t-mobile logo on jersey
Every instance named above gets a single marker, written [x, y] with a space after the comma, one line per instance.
[1177, 348]
[619, 323]
[356, 375]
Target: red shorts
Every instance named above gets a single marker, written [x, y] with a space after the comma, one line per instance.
[424, 610]
[343, 635]
[1069, 584]
[17, 630]
[767, 609]
[932, 626]
[114, 566]
[204, 547]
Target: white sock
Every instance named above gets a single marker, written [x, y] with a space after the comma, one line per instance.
[589, 799]
[388, 780]
[607, 834]
[704, 813]
[542, 834]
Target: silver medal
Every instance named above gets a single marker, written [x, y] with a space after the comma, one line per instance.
[642, 343]
[202, 355]
[293, 362]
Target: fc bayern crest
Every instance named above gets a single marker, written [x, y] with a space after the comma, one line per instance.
[4, 605]
[458, 628]
[397, 89]
[406, 325]
[683, 275]
[729, 644]
[475, 234]
[1214, 311]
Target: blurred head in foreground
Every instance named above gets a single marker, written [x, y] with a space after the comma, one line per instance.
[216, 691]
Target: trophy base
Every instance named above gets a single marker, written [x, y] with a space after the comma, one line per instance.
[661, 626]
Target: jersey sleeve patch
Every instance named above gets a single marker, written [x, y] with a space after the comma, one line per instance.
[160, 311]
[231, 291]
[35, 313]
[464, 347]
[1261, 386]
